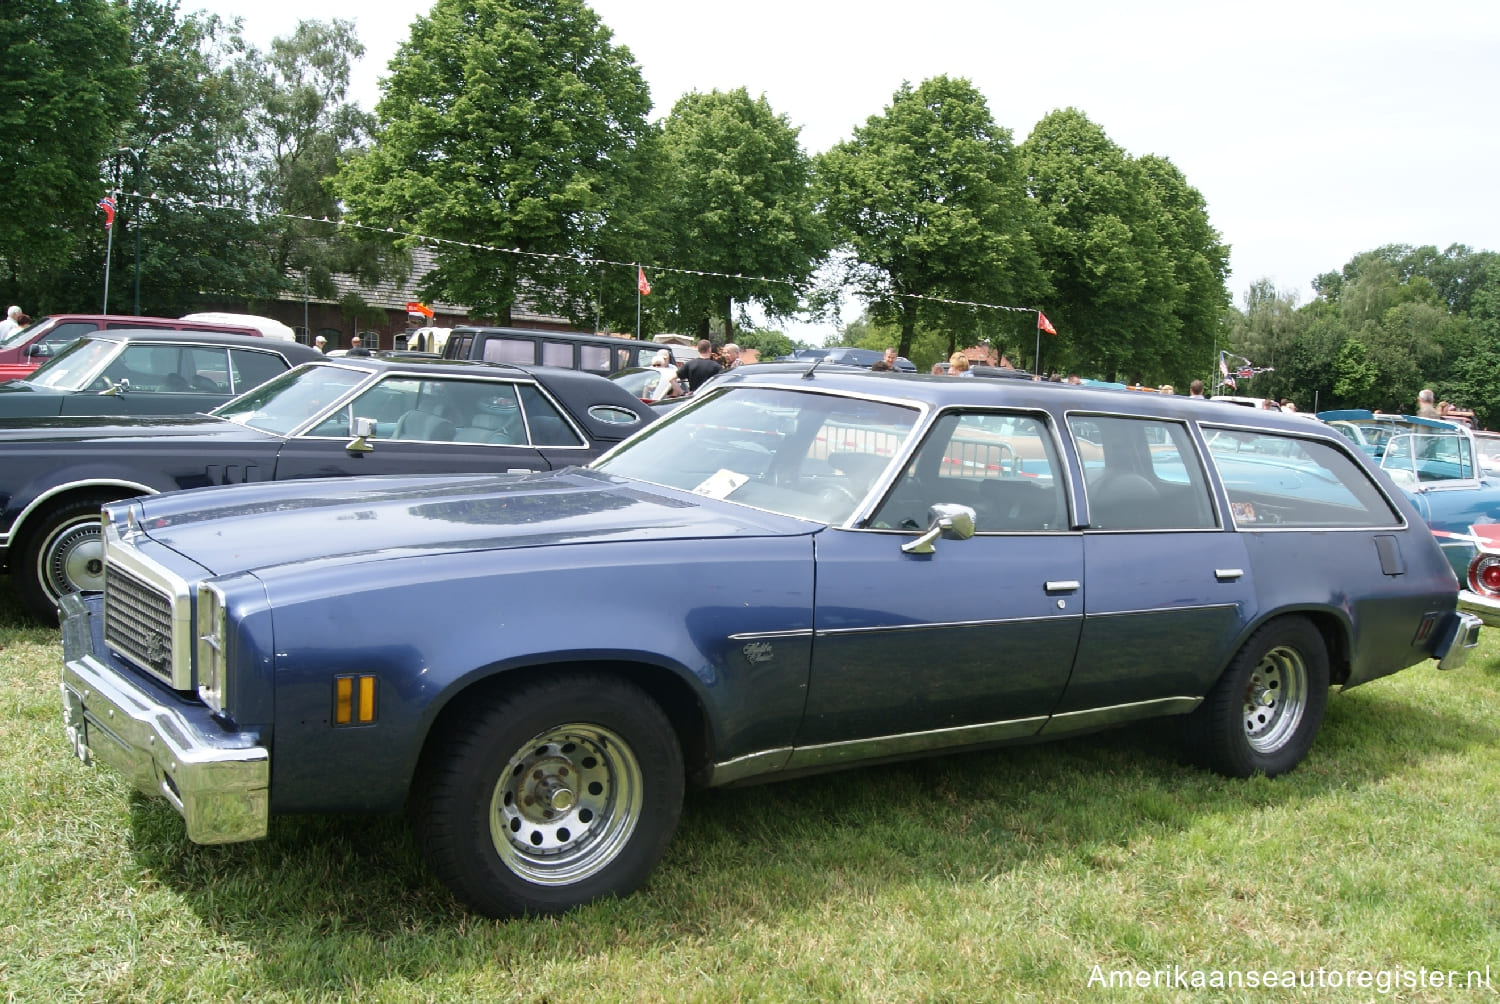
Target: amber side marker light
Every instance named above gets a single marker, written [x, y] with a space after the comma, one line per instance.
[353, 700]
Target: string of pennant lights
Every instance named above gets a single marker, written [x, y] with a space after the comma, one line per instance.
[642, 285]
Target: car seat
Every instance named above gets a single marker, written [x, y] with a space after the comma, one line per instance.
[424, 426]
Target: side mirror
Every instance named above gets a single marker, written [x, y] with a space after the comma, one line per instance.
[944, 519]
[115, 389]
[364, 431]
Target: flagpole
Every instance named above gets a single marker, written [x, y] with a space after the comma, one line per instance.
[109, 244]
[637, 301]
[1036, 360]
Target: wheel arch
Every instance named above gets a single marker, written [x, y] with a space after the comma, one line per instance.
[66, 492]
[671, 693]
[1332, 624]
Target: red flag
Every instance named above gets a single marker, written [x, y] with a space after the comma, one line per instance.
[1043, 324]
[640, 281]
[417, 307]
[108, 205]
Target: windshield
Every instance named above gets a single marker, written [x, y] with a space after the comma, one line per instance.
[289, 400]
[74, 367]
[807, 454]
[21, 336]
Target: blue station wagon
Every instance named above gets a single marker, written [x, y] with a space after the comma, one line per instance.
[796, 572]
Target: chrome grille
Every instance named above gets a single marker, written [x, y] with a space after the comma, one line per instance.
[138, 622]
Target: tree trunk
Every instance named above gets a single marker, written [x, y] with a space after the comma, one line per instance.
[908, 327]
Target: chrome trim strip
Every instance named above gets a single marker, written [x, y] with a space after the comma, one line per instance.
[1162, 610]
[939, 625]
[758, 635]
[749, 765]
[913, 742]
[1067, 721]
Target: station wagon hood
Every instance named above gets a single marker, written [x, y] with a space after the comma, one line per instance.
[248, 527]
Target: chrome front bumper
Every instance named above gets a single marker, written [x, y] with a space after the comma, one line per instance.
[1483, 607]
[218, 780]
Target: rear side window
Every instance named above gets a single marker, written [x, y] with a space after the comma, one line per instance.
[596, 359]
[509, 350]
[558, 354]
[1281, 480]
[1141, 474]
[547, 425]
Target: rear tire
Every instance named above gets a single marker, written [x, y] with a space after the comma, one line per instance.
[63, 553]
[1265, 711]
[563, 791]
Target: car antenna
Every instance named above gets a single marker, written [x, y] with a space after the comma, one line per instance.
[816, 363]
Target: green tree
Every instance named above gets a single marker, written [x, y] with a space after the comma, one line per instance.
[927, 206]
[68, 80]
[739, 203]
[1124, 241]
[302, 129]
[513, 124]
[1199, 263]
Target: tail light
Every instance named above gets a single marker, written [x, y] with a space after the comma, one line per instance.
[1484, 574]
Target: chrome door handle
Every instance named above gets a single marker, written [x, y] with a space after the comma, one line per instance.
[1228, 574]
[1063, 586]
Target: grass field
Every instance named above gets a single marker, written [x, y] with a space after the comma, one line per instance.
[1021, 874]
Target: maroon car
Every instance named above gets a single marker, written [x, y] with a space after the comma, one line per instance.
[24, 350]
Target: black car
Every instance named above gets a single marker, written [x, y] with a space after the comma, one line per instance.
[332, 418]
[141, 371]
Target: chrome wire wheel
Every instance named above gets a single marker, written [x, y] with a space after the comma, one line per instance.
[1275, 699]
[566, 804]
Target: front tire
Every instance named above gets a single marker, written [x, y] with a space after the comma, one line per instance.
[63, 553]
[562, 792]
[1265, 711]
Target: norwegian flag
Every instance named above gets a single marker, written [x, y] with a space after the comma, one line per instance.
[641, 285]
[108, 205]
[1224, 377]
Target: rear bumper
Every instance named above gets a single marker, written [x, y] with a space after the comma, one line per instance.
[168, 747]
[1460, 634]
[1486, 609]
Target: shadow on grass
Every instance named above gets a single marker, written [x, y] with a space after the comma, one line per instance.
[323, 889]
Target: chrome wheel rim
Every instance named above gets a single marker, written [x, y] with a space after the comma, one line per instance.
[1275, 699]
[566, 804]
[73, 558]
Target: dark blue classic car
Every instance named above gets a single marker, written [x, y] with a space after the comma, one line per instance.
[334, 418]
[795, 572]
[148, 372]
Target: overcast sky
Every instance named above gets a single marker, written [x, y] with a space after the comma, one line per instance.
[1314, 129]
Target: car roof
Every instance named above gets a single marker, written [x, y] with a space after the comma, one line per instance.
[205, 336]
[577, 390]
[940, 390]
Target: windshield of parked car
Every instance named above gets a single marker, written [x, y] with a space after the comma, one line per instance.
[807, 454]
[289, 400]
[21, 336]
[75, 366]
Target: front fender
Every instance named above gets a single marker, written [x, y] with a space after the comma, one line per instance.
[729, 618]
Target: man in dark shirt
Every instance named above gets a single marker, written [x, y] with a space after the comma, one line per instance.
[696, 372]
